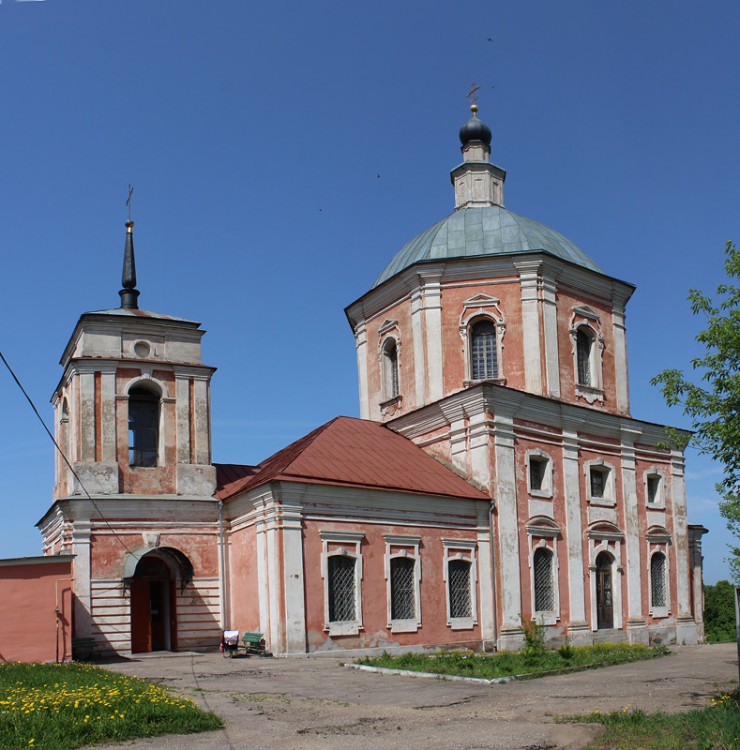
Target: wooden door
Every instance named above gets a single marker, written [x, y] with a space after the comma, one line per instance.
[141, 630]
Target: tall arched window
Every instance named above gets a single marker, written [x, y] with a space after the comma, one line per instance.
[657, 581]
[483, 357]
[390, 370]
[544, 590]
[143, 427]
[584, 344]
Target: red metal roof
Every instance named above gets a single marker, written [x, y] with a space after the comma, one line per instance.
[351, 452]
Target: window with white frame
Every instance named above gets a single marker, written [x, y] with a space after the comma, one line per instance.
[461, 582]
[600, 482]
[342, 573]
[403, 576]
[588, 345]
[389, 369]
[658, 584]
[482, 329]
[539, 473]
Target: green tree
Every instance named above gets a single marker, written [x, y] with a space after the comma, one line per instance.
[719, 612]
[713, 403]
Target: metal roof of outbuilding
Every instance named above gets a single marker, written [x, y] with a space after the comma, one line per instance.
[350, 452]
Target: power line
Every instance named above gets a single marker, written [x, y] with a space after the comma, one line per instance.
[64, 457]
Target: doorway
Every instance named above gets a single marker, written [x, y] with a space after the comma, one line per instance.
[153, 611]
[604, 599]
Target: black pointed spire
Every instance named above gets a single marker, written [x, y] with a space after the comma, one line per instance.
[129, 294]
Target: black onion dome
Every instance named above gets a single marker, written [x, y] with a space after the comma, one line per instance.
[475, 130]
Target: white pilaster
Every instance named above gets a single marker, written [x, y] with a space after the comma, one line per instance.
[417, 329]
[293, 580]
[485, 578]
[202, 421]
[108, 413]
[685, 627]
[81, 573]
[508, 529]
[528, 278]
[574, 529]
[182, 396]
[632, 532]
[432, 292]
[620, 357]
[361, 347]
[87, 416]
[550, 314]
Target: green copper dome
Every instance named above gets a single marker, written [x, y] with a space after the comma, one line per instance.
[484, 231]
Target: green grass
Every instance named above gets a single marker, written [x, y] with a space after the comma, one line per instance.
[505, 663]
[716, 727]
[66, 706]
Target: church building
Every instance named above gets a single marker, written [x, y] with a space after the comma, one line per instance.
[496, 474]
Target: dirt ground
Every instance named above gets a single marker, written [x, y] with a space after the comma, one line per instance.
[316, 702]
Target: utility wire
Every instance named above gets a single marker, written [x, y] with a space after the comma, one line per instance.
[64, 458]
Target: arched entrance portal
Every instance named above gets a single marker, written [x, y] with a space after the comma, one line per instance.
[153, 599]
[604, 598]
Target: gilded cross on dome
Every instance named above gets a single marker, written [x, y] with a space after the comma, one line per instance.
[473, 94]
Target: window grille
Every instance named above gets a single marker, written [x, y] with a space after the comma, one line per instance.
[403, 589]
[544, 594]
[143, 427]
[583, 352]
[537, 467]
[341, 588]
[483, 360]
[459, 585]
[657, 580]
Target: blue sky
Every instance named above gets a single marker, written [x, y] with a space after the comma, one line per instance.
[282, 153]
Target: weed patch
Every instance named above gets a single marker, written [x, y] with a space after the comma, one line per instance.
[507, 663]
[66, 706]
[716, 727]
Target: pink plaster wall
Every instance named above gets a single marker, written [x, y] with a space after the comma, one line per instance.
[244, 591]
[37, 610]
[376, 633]
[108, 554]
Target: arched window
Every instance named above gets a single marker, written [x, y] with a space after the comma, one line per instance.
[657, 581]
[584, 345]
[483, 356]
[143, 427]
[390, 370]
[544, 590]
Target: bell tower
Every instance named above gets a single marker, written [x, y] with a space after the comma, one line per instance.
[132, 410]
